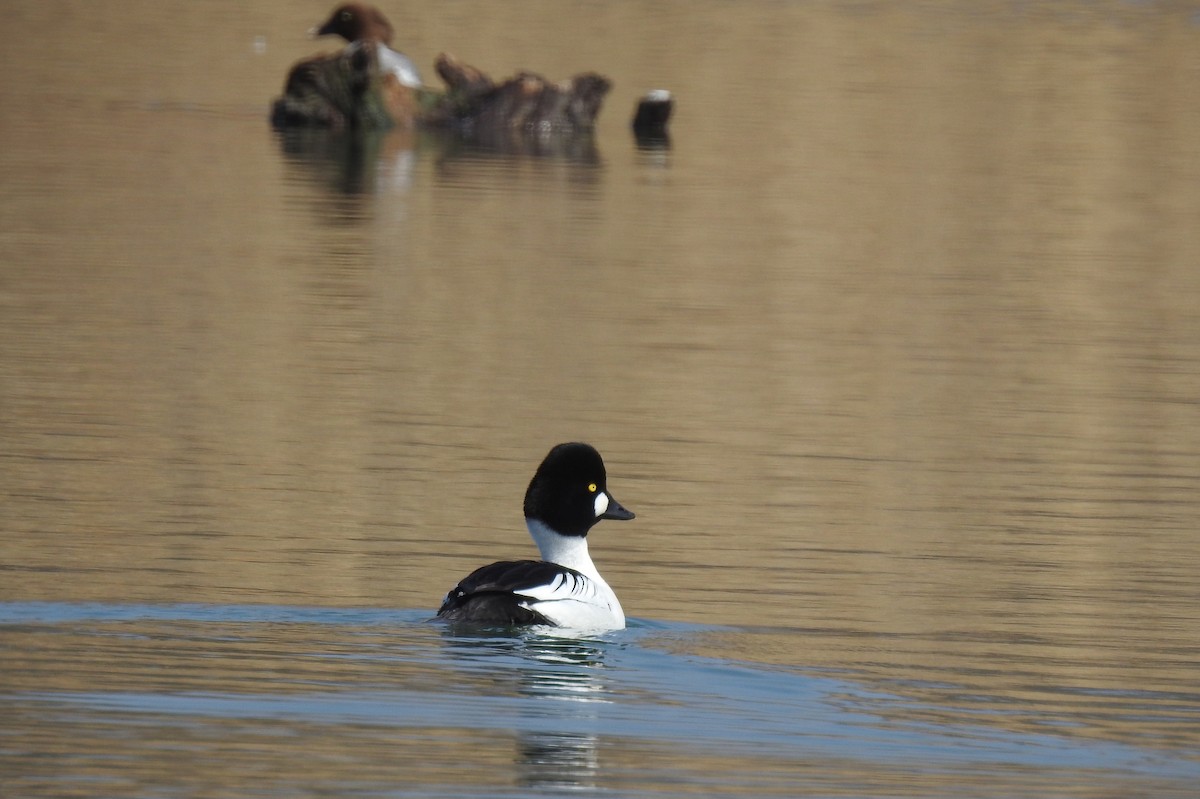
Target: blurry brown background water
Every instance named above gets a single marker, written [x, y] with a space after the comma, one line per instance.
[895, 351]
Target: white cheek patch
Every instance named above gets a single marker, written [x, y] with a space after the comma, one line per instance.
[601, 503]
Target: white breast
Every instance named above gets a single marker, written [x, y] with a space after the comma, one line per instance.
[399, 65]
[577, 602]
[582, 603]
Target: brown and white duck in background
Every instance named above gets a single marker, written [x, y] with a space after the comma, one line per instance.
[358, 23]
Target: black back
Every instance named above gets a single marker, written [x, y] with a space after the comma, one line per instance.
[491, 594]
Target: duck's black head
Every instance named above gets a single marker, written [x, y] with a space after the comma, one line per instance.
[569, 491]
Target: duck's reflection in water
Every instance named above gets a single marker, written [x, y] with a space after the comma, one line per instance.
[557, 760]
[562, 681]
[385, 162]
[353, 162]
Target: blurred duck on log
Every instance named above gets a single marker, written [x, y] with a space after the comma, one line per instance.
[368, 85]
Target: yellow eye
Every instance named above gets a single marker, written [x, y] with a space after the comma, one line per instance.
[592, 487]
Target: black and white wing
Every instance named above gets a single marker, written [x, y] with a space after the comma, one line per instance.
[505, 592]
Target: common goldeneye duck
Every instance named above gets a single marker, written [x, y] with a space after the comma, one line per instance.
[565, 499]
[358, 23]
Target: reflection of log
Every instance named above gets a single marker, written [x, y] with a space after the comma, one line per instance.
[346, 90]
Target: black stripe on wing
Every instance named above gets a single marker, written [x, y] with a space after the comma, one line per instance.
[492, 594]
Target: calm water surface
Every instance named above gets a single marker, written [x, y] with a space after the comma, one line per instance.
[139, 700]
[895, 352]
